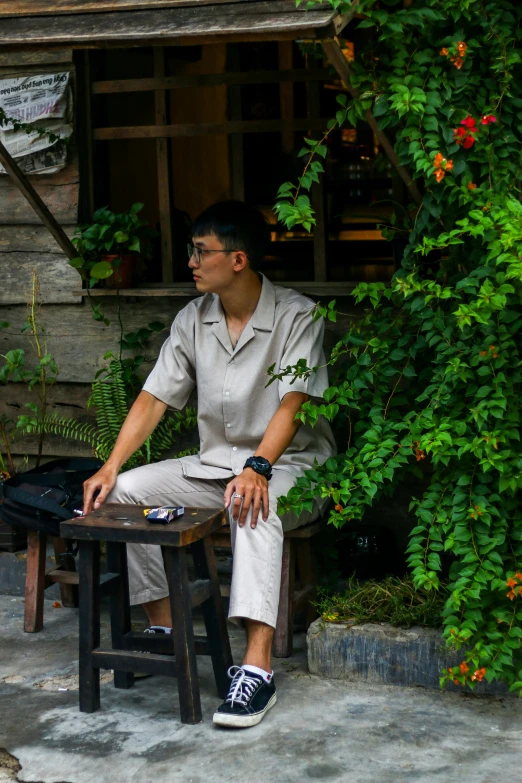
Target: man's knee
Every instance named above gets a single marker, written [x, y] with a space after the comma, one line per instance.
[126, 490]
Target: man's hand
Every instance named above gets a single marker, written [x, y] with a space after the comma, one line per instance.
[102, 481]
[254, 490]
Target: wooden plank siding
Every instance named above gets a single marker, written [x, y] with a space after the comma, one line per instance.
[25, 244]
[59, 192]
[15, 8]
[183, 25]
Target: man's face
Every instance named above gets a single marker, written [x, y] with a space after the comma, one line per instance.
[211, 265]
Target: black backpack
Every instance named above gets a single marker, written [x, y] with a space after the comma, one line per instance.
[41, 498]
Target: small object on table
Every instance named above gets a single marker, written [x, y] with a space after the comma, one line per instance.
[164, 514]
[167, 654]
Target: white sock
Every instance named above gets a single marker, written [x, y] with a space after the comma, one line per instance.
[267, 676]
[163, 628]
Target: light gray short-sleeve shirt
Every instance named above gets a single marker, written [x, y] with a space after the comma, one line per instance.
[234, 403]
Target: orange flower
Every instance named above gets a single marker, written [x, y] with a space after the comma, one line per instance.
[441, 166]
[458, 62]
[511, 595]
[463, 667]
[456, 682]
[472, 186]
[511, 582]
[492, 347]
[518, 576]
[479, 675]
[339, 508]
[57, 605]
[461, 48]
[520, 590]
[483, 353]
[444, 52]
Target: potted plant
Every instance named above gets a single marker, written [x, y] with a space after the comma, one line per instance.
[109, 247]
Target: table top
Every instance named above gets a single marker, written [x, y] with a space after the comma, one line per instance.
[126, 523]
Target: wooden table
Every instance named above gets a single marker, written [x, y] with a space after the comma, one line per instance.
[175, 656]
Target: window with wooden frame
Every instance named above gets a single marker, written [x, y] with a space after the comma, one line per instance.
[179, 128]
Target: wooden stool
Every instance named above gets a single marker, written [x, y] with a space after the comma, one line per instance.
[119, 524]
[297, 552]
[37, 580]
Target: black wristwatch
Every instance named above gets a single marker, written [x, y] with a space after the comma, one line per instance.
[260, 465]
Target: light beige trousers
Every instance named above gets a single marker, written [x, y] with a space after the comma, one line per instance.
[257, 553]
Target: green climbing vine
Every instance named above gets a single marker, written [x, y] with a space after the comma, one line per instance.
[428, 381]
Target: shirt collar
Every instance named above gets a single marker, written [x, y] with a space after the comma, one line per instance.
[263, 316]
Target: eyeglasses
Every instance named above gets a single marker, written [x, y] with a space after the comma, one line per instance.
[197, 252]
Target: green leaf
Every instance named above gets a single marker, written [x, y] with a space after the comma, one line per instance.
[101, 270]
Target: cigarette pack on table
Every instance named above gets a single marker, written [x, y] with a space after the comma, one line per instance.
[164, 514]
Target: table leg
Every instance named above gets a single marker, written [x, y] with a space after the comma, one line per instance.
[120, 607]
[284, 633]
[89, 569]
[214, 616]
[35, 581]
[183, 633]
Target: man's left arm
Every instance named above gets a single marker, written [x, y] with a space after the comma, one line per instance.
[279, 434]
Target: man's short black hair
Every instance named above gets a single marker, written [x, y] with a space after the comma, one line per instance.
[238, 226]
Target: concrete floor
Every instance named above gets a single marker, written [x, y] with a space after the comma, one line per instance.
[319, 729]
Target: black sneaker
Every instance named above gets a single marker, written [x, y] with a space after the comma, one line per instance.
[248, 700]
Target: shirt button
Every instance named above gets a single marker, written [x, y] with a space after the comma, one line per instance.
[234, 448]
[227, 394]
[229, 425]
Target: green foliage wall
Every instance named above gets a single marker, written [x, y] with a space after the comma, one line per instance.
[429, 382]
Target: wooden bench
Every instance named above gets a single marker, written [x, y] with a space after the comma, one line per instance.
[37, 579]
[297, 556]
[167, 654]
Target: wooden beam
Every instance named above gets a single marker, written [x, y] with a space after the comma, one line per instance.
[340, 21]
[320, 233]
[84, 131]
[286, 92]
[235, 114]
[212, 79]
[340, 63]
[264, 18]
[164, 172]
[27, 190]
[205, 129]
[15, 8]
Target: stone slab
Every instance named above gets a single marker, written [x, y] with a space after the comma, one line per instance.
[380, 653]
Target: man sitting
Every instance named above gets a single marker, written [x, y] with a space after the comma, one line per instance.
[252, 448]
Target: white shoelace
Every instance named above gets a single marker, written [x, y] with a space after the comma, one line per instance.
[242, 686]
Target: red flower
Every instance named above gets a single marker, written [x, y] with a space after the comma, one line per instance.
[463, 135]
[487, 119]
[470, 123]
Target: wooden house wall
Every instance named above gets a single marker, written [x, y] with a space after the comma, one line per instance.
[74, 338]
[77, 342]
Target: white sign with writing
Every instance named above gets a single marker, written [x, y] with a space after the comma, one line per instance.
[41, 101]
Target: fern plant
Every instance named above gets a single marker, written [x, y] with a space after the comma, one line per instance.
[110, 401]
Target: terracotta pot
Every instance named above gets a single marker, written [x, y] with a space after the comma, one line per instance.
[123, 276]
